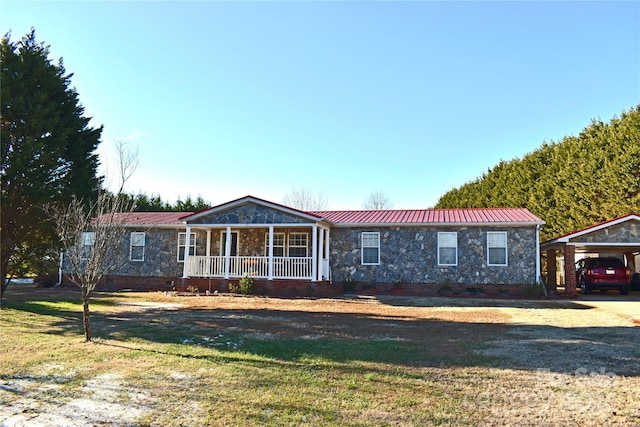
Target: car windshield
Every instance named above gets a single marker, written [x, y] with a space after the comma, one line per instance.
[607, 262]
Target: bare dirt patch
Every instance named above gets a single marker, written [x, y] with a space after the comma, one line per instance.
[104, 400]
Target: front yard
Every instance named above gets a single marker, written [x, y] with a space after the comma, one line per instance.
[229, 360]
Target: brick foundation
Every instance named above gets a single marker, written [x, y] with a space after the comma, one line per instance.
[452, 289]
[294, 288]
[299, 288]
[135, 283]
[289, 288]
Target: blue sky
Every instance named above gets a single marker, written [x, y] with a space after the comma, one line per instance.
[226, 99]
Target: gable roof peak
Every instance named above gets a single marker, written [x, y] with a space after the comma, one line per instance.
[251, 199]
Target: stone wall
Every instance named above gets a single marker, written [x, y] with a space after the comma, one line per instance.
[409, 255]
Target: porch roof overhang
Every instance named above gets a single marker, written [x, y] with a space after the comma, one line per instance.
[265, 225]
[584, 247]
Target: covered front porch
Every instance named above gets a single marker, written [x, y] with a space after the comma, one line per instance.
[272, 252]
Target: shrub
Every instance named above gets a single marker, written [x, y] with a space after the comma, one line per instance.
[245, 285]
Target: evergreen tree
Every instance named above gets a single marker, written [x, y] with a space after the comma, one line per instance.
[143, 203]
[572, 184]
[48, 152]
[189, 205]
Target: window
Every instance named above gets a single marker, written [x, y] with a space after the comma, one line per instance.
[370, 247]
[447, 248]
[497, 248]
[278, 244]
[136, 250]
[88, 239]
[182, 242]
[297, 244]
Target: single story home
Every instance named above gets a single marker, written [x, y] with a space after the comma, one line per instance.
[289, 251]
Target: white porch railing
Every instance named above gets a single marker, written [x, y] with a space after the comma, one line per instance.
[254, 266]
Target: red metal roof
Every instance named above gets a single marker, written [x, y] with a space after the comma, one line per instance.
[152, 218]
[367, 217]
[430, 216]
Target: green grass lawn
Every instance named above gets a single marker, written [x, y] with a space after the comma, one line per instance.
[246, 366]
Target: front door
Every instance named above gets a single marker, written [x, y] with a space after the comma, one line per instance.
[234, 244]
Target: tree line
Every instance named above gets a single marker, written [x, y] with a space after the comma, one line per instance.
[142, 202]
[571, 184]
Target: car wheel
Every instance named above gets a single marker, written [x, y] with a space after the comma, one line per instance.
[624, 290]
[586, 289]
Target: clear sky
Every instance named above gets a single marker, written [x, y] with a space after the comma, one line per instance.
[340, 98]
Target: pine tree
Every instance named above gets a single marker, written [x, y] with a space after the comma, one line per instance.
[48, 152]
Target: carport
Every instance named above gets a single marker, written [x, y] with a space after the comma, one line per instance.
[617, 236]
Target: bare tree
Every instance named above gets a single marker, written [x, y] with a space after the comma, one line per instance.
[92, 237]
[377, 201]
[304, 200]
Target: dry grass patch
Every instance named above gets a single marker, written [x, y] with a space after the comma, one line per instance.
[224, 360]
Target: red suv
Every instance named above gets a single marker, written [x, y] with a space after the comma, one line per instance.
[603, 274]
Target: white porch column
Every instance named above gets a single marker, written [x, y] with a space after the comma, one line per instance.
[320, 253]
[227, 253]
[208, 253]
[270, 254]
[187, 243]
[327, 246]
[314, 253]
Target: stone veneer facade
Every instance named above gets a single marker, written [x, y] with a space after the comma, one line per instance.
[160, 253]
[408, 255]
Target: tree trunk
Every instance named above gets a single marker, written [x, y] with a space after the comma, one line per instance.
[85, 315]
[4, 267]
